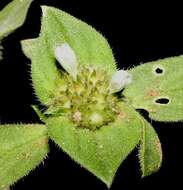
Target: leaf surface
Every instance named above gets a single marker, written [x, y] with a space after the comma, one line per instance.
[59, 28]
[89, 45]
[158, 88]
[150, 153]
[22, 148]
[45, 75]
[101, 151]
[13, 16]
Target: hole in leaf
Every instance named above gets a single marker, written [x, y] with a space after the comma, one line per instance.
[159, 71]
[162, 101]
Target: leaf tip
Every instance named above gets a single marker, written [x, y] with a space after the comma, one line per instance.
[27, 46]
[44, 9]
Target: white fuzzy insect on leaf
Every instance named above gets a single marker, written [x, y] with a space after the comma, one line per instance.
[67, 58]
[119, 80]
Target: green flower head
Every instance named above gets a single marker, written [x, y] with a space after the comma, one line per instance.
[86, 94]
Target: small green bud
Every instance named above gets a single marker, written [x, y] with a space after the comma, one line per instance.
[77, 116]
[96, 119]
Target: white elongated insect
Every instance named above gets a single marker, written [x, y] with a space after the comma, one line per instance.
[67, 58]
[119, 80]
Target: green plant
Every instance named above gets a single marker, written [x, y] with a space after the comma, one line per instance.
[90, 106]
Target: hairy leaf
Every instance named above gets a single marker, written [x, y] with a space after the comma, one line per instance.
[100, 151]
[22, 148]
[58, 28]
[150, 153]
[45, 76]
[158, 88]
[13, 16]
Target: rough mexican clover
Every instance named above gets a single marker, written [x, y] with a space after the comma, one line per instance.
[90, 106]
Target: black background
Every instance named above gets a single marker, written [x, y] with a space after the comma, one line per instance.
[136, 33]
